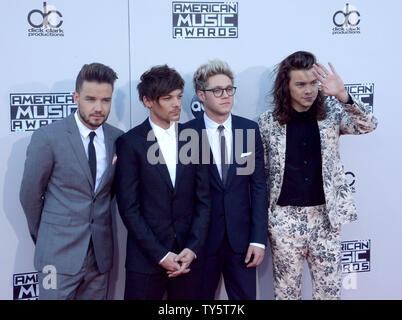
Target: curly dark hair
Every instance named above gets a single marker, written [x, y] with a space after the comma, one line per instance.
[281, 94]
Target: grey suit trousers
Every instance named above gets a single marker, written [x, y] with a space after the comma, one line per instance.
[87, 284]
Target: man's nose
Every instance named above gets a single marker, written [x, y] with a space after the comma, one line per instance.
[98, 105]
[224, 94]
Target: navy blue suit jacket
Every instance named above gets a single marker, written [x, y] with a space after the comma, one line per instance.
[239, 207]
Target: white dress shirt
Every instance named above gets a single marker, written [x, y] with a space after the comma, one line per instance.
[99, 144]
[214, 141]
[168, 146]
[213, 138]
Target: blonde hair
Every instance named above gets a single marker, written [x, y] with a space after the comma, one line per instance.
[212, 68]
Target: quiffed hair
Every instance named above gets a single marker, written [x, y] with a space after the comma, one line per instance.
[95, 72]
[212, 68]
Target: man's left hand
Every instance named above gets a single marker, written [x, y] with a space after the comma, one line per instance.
[331, 84]
[258, 255]
[184, 258]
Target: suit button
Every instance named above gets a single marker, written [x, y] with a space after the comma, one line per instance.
[92, 221]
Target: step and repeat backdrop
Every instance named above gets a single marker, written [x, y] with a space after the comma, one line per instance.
[44, 45]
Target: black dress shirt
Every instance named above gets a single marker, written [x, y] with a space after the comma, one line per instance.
[302, 183]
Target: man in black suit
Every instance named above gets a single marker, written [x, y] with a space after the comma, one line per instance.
[164, 203]
[238, 229]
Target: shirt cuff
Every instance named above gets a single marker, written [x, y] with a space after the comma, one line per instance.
[259, 245]
[164, 258]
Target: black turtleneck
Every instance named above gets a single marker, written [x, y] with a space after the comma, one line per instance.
[302, 181]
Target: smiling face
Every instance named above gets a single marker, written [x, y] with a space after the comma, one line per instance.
[217, 109]
[166, 108]
[94, 101]
[303, 88]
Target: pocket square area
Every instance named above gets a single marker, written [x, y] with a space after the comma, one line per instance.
[114, 160]
[246, 154]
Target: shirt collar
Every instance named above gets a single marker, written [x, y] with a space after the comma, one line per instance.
[212, 125]
[85, 131]
[171, 131]
[303, 115]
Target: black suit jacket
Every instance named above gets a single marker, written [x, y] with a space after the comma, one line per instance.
[156, 213]
[240, 207]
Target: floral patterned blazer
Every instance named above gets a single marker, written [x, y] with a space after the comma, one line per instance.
[341, 119]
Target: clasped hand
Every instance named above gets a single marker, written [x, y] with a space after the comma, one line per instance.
[178, 264]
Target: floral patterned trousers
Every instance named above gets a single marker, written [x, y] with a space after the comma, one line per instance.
[300, 233]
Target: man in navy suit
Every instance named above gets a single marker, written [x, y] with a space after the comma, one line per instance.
[164, 202]
[238, 228]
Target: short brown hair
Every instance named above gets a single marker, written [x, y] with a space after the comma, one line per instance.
[159, 81]
[95, 72]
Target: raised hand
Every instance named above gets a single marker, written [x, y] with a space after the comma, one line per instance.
[331, 83]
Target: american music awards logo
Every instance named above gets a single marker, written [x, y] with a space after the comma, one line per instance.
[356, 256]
[191, 20]
[362, 91]
[346, 21]
[30, 111]
[25, 286]
[46, 22]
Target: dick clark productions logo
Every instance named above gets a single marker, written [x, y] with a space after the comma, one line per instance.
[346, 21]
[46, 22]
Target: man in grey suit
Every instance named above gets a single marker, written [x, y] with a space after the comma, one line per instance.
[66, 192]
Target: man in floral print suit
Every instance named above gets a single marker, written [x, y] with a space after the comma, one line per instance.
[309, 196]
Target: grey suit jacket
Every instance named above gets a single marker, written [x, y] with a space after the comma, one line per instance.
[58, 198]
[341, 119]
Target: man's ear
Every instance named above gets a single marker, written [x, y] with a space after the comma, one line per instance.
[147, 102]
[76, 97]
[201, 95]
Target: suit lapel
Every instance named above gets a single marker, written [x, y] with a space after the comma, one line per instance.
[109, 155]
[279, 158]
[232, 162]
[78, 148]
[179, 165]
[321, 128]
[151, 141]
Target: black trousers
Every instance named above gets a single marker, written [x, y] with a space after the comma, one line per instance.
[187, 286]
[240, 281]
